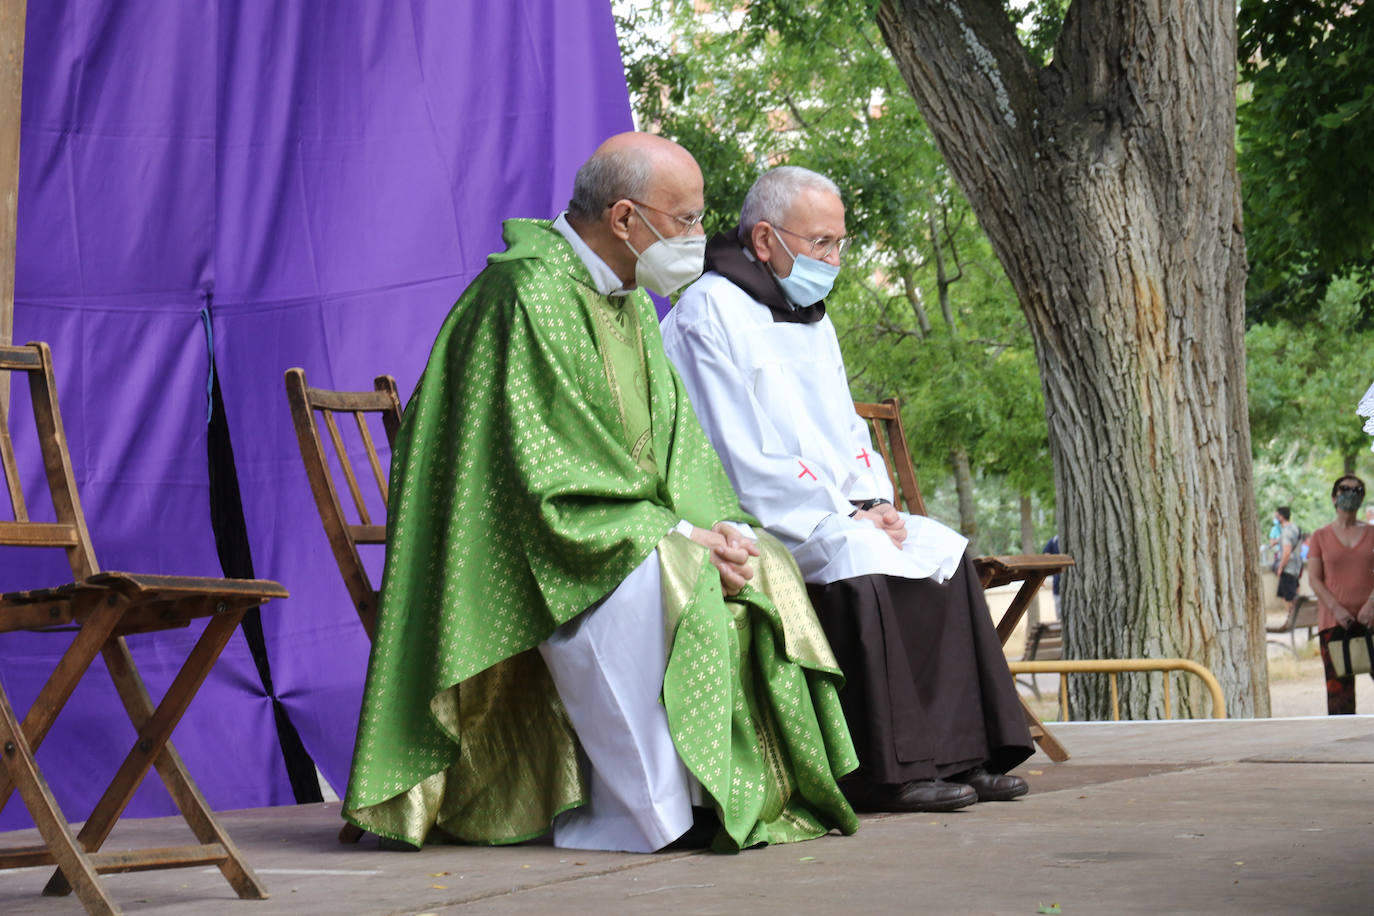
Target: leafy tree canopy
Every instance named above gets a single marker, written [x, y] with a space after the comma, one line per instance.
[1306, 377]
[1306, 145]
[923, 308]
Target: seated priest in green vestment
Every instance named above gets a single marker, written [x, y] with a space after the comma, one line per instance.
[573, 633]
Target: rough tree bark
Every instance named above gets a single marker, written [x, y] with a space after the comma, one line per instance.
[1028, 543]
[1107, 184]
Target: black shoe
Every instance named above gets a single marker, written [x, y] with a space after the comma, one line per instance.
[992, 786]
[705, 826]
[917, 795]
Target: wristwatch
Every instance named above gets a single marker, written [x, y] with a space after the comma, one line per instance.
[869, 504]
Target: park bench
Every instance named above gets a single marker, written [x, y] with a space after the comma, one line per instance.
[1302, 615]
[1044, 642]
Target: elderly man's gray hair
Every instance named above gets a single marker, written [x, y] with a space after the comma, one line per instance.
[608, 177]
[773, 193]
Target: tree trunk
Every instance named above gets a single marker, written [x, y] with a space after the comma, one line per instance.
[963, 486]
[1106, 182]
[1028, 545]
[1028, 542]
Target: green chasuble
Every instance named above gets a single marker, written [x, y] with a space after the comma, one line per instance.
[548, 449]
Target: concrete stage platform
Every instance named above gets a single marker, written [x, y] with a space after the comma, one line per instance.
[1240, 816]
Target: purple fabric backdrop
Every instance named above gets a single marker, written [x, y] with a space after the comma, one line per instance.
[322, 179]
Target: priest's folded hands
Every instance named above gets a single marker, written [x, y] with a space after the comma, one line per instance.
[730, 553]
[887, 520]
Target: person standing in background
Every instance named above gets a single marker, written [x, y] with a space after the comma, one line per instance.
[1290, 560]
[1341, 571]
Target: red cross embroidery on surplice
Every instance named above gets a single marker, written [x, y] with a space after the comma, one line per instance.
[805, 472]
[863, 453]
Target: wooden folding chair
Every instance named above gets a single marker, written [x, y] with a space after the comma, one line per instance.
[104, 607]
[885, 420]
[344, 534]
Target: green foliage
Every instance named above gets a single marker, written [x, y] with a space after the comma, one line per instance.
[1306, 141]
[1304, 485]
[1040, 24]
[1306, 377]
[1306, 145]
[813, 85]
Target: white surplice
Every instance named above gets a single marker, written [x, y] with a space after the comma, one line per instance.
[608, 665]
[774, 400]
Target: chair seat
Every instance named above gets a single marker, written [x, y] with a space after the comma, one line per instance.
[1003, 570]
[160, 602]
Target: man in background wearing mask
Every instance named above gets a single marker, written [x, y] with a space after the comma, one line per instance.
[570, 631]
[930, 703]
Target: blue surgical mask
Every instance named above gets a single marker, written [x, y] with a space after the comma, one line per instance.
[810, 280]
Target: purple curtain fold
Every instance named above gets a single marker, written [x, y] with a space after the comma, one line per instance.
[307, 184]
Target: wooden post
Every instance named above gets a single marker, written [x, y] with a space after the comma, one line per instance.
[12, 13]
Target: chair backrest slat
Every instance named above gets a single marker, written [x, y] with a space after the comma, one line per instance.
[378, 474]
[68, 531]
[885, 419]
[346, 466]
[368, 534]
[24, 533]
[879, 430]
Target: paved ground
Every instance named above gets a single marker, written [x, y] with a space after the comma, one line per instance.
[1241, 816]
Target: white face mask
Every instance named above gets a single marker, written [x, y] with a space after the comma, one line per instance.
[668, 265]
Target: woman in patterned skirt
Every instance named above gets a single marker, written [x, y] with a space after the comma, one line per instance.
[1340, 568]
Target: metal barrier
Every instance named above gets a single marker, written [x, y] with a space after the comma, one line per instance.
[1114, 666]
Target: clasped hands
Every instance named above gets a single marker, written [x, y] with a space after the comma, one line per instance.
[730, 553]
[887, 520]
[1364, 615]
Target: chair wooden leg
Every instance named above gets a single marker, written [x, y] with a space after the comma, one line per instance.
[73, 665]
[1042, 735]
[62, 846]
[350, 833]
[154, 726]
[1017, 609]
[170, 767]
